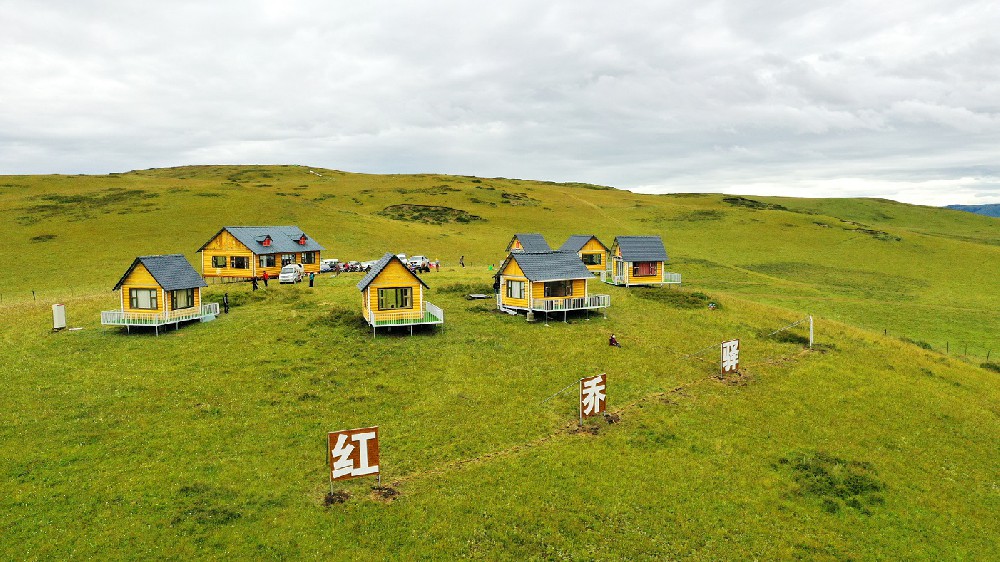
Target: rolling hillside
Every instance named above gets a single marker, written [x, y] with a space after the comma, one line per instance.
[208, 441]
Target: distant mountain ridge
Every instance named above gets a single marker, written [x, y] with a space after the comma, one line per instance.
[992, 210]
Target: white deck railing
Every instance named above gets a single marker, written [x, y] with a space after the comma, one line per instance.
[128, 318]
[429, 314]
[572, 303]
[667, 278]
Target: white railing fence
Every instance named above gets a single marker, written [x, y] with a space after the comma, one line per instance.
[407, 317]
[121, 318]
[572, 303]
[435, 311]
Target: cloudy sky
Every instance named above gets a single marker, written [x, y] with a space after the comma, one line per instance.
[896, 99]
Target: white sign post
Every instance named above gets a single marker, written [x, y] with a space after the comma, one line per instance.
[593, 396]
[730, 356]
[810, 331]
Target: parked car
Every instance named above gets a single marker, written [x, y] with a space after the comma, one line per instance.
[291, 273]
[329, 265]
[419, 263]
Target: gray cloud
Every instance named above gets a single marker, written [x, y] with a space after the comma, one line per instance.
[824, 98]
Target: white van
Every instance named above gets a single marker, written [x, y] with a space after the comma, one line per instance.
[291, 273]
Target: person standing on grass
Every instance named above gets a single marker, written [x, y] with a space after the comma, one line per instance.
[437, 265]
[266, 276]
[312, 276]
[461, 261]
[253, 281]
[225, 303]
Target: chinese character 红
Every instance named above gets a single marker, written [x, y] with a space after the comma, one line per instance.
[730, 356]
[353, 452]
[592, 396]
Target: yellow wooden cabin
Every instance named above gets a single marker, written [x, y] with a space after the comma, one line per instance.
[545, 282]
[159, 290]
[639, 260]
[593, 253]
[392, 295]
[528, 243]
[244, 252]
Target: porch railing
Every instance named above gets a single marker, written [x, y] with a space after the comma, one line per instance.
[572, 303]
[428, 314]
[611, 278]
[128, 318]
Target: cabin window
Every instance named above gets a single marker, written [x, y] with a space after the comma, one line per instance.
[239, 262]
[515, 289]
[219, 261]
[144, 299]
[308, 257]
[287, 259]
[398, 297]
[643, 268]
[592, 259]
[183, 298]
[559, 289]
[267, 260]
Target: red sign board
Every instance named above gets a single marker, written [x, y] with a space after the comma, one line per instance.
[353, 453]
[593, 395]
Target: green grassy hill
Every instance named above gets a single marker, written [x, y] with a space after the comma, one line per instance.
[209, 441]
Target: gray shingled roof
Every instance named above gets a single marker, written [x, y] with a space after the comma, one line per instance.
[172, 272]
[532, 243]
[641, 248]
[577, 242]
[284, 239]
[379, 266]
[551, 266]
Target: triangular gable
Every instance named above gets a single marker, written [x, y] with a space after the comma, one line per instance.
[529, 243]
[380, 265]
[576, 242]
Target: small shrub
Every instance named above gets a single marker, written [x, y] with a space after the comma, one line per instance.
[918, 343]
[430, 214]
[990, 366]
[43, 237]
[834, 481]
[877, 234]
[790, 337]
[753, 204]
[518, 198]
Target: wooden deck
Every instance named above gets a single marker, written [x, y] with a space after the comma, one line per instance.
[157, 319]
